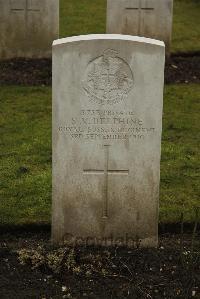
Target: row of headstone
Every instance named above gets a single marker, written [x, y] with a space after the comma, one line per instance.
[28, 27]
[107, 119]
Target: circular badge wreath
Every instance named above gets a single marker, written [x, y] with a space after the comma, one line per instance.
[108, 78]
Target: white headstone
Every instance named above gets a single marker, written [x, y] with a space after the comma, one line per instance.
[148, 18]
[28, 28]
[107, 123]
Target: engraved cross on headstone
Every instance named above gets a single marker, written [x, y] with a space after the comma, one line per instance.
[25, 6]
[141, 8]
[106, 80]
[106, 172]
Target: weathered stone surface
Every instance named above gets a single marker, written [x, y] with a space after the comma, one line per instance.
[107, 123]
[148, 18]
[28, 28]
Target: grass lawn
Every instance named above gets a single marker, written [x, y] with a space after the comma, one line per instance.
[89, 16]
[25, 166]
[25, 171]
[180, 165]
[25, 127]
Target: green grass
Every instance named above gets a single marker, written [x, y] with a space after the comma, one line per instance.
[180, 165]
[25, 160]
[82, 17]
[25, 171]
[89, 16]
[186, 26]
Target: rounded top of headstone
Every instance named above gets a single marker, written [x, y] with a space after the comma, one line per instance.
[89, 37]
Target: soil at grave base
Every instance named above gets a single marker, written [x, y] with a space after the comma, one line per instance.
[127, 273]
[180, 68]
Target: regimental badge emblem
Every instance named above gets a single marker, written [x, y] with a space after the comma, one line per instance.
[108, 78]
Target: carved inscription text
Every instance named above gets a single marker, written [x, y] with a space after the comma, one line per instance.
[104, 125]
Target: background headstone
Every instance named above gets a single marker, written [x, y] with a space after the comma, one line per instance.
[28, 28]
[148, 18]
[107, 123]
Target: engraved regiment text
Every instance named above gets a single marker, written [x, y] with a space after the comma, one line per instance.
[106, 125]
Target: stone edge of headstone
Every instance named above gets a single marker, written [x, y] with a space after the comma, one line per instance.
[78, 38]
